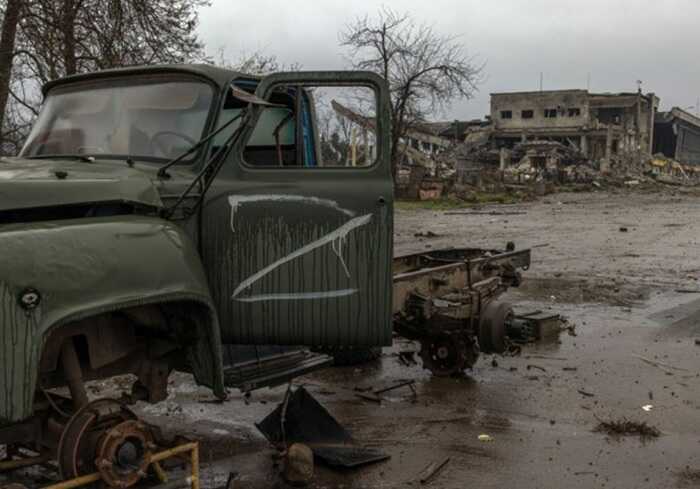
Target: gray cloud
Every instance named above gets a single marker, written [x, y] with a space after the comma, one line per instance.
[616, 42]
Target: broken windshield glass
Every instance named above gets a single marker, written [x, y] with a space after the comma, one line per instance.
[146, 120]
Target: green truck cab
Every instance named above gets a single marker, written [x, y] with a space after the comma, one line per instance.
[158, 214]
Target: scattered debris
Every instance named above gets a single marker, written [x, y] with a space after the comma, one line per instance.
[407, 383]
[426, 234]
[537, 367]
[537, 326]
[408, 358]
[663, 366]
[369, 397]
[569, 327]
[584, 393]
[625, 427]
[432, 470]
[231, 482]
[485, 438]
[689, 477]
[623, 229]
[374, 395]
[544, 357]
[484, 213]
[647, 407]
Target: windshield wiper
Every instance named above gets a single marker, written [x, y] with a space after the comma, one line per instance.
[163, 172]
[210, 168]
[237, 93]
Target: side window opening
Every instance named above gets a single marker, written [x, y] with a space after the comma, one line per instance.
[273, 142]
[313, 126]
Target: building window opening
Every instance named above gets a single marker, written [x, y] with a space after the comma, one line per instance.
[574, 112]
[550, 113]
[527, 114]
[506, 114]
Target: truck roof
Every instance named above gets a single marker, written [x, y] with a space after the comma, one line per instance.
[219, 76]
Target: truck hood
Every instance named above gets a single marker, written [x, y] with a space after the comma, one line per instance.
[31, 183]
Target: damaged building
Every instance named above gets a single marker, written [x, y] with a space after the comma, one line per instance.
[561, 136]
[677, 136]
[599, 125]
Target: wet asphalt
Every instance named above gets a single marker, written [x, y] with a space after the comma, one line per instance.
[634, 346]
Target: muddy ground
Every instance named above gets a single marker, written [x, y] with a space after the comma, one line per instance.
[615, 265]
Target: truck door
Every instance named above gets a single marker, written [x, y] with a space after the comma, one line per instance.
[298, 226]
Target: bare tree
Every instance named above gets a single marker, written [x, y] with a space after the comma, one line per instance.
[46, 39]
[255, 63]
[65, 37]
[425, 70]
[10, 21]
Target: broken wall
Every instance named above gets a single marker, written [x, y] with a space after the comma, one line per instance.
[540, 110]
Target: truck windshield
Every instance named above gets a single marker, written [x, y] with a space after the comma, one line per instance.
[146, 120]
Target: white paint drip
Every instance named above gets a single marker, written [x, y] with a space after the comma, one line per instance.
[235, 202]
[337, 246]
[298, 296]
[337, 235]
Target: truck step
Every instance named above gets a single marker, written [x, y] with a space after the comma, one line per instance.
[273, 370]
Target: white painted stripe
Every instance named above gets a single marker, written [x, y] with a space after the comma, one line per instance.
[338, 234]
[299, 296]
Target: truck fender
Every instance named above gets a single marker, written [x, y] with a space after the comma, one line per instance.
[56, 273]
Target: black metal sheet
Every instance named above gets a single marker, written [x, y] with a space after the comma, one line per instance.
[348, 456]
[307, 421]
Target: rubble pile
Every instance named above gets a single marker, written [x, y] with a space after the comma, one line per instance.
[533, 168]
[608, 145]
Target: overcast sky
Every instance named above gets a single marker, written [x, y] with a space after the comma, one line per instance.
[614, 42]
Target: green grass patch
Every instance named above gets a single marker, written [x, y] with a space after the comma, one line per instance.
[478, 198]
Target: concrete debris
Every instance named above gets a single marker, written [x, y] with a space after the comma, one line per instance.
[625, 427]
[689, 477]
[426, 234]
[298, 465]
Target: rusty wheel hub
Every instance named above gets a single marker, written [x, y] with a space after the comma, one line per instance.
[444, 356]
[124, 453]
[83, 435]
